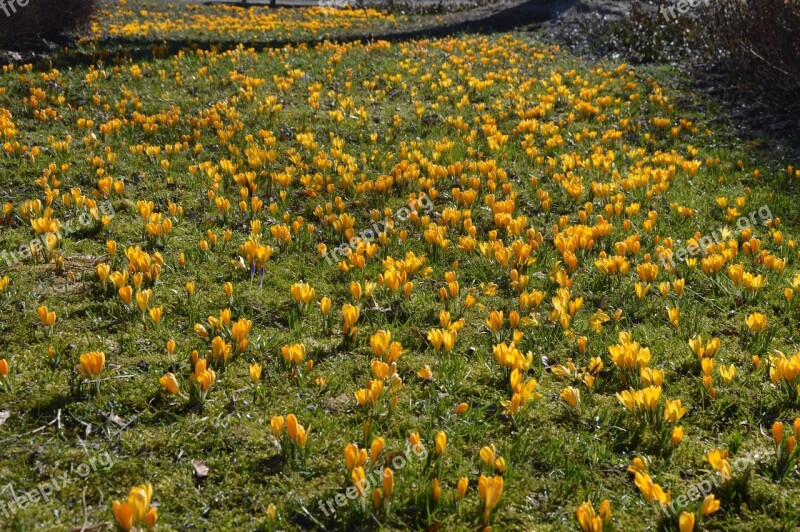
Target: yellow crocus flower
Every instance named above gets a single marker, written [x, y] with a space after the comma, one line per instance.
[92, 363]
[572, 396]
[686, 522]
[170, 383]
[255, 372]
[710, 505]
[756, 322]
[441, 443]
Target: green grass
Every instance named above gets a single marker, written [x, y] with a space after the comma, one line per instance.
[556, 457]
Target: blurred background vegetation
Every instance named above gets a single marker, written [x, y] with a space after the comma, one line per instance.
[744, 53]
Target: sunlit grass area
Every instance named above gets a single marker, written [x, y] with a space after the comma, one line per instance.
[413, 284]
[153, 20]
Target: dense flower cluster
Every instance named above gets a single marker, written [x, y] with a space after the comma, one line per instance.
[473, 245]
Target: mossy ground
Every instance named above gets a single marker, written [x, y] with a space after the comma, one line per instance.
[367, 126]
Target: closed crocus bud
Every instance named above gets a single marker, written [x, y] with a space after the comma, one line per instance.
[463, 484]
[255, 372]
[229, 289]
[605, 511]
[756, 322]
[156, 314]
[351, 456]
[777, 432]
[103, 271]
[375, 449]
[686, 522]
[355, 290]
[92, 363]
[302, 436]
[272, 514]
[796, 428]
[350, 316]
[276, 426]
[377, 498]
[123, 513]
[380, 342]
[441, 443]
[325, 305]
[488, 455]
[361, 396]
[453, 287]
[460, 409]
[678, 285]
[171, 347]
[143, 299]
[358, 477]
[581, 343]
[436, 490]
[388, 482]
[152, 518]
[291, 425]
[4, 374]
[677, 435]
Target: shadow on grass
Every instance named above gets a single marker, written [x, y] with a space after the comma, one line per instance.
[271, 465]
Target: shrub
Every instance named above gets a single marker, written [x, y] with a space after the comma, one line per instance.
[41, 18]
[760, 40]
